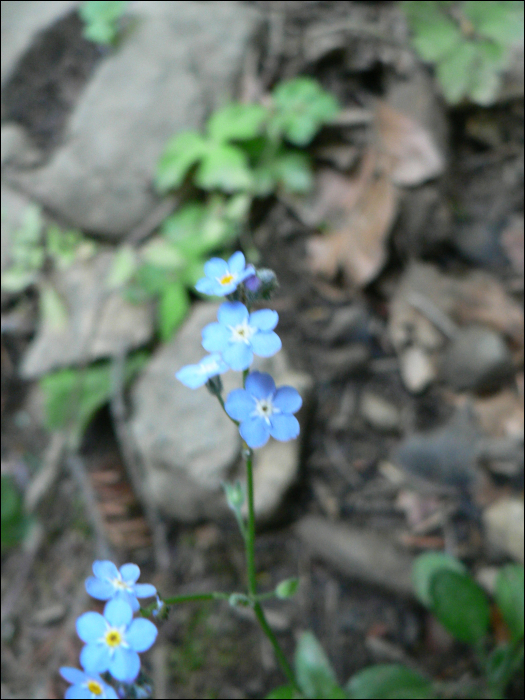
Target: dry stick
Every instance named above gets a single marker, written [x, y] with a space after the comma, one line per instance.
[133, 465]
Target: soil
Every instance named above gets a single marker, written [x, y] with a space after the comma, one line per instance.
[213, 650]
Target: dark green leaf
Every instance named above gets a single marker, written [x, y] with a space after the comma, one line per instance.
[460, 605]
[283, 692]
[388, 681]
[14, 521]
[313, 671]
[502, 664]
[236, 122]
[509, 597]
[181, 153]
[224, 168]
[173, 307]
[424, 569]
[455, 72]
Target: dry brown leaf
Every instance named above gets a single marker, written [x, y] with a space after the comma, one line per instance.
[357, 246]
[414, 156]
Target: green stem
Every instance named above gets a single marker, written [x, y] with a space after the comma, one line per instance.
[252, 582]
[195, 596]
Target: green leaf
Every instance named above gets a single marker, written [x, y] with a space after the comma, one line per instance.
[123, 267]
[237, 207]
[100, 32]
[182, 152]
[101, 19]
[460, 605]
[388, 681]
[193, 272]
[161, 253]
[152, 279]
[15, 280]
[502, 664]
[500, 21]
[424, 569]
[283, 692]
[173, 307]
[455, 72]
[62, 245]
[52, 309]
[236, 122]
[14, 520]
[485, 80]
[287, 588]
[435, 33]
[509, 597]
[224, 168]
[294, 172]
[184, 225]
[313, 671]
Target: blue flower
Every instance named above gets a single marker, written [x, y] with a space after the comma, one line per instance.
[223, 277]
[263, 410]
[239, 335]
[108, 582]
[197, 375]
[113, 640]
[86, 685]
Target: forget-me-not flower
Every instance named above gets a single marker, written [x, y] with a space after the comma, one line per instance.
[223, 277]
[110, 582]
[194, 376]
[86, 685]
[113, 640]
[239, 334]
[264, 410]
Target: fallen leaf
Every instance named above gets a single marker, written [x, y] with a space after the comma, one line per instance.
[414, 156]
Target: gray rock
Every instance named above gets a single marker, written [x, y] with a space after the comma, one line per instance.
[477, 359]
[22, 21]
[504, 527]
[417, 368]
[189, 445]
[380, 413]
[17, 148]
[179, 60]
[360, 554]
[99, 323]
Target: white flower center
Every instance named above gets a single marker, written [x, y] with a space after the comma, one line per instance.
[264, 408]
[120, 585]
[242, 333]
[228, 278]
[208, 366]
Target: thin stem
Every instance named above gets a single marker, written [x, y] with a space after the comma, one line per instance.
[281, 658]
[195, 596]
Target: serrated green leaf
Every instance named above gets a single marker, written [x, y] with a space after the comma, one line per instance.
[174, 304]
[387, 681]
[424, 569]
[181, 153]
[455, 72]
[435, 40]
[15, 280]
[236, 122]
[161, 253]
[500, 21]
[293, 171]
[52, 308]
[123, 267]
[313, 671]
[509, 597]
[460, 605]
[224, 168]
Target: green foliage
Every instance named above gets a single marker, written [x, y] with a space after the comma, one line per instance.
[73, 396]
[424, 569]
[101, 19]
[287, 588]
[14, 521]
[509, 597]
[470, 43]
[314, 673]
[388, 681]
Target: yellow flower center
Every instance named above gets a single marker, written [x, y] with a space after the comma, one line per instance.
[113, 638]
[226, 279]
[94, 687]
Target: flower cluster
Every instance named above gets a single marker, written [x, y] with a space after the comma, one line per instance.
[260, 408]
[113, 640]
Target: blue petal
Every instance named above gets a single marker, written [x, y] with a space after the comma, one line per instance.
[208, 286]
[287, 399]
[118, 612]
[130, 572]
[144, 590]
[110, 692]
[223, 290]
[125, 665]
[260, 385]
[72, 675]
[216, 267]
[237, 262]
[141, 634]
[239, 404]
[239, 356]
[90, 627]
[95, 658]
[232, 313]
[284, 427]
[250, 270]
[266, 344]
[191, 376]
[105, 570]
[128, 598]
[101, 590]
[264, 319]
[255, 431]
[215, 337]
[78, 692]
